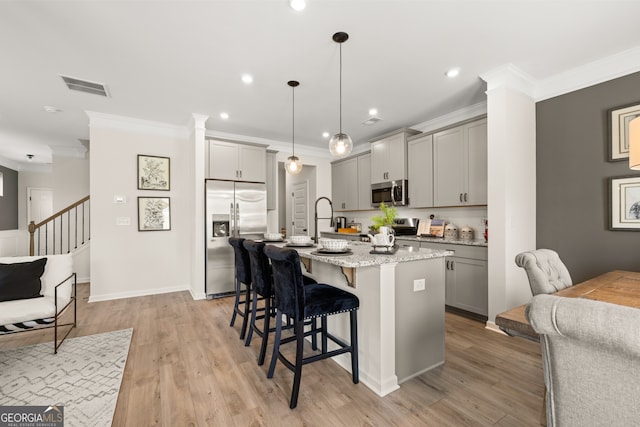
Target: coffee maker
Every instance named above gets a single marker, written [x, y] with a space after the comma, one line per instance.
[340, 222]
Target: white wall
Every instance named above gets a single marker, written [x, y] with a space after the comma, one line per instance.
[69, 180]
[124, 261]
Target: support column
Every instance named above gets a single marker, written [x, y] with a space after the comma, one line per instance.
[198, 161]
[511, 211]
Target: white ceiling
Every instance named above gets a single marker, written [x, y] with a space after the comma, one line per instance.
[164, 60]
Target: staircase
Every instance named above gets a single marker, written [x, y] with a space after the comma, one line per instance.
[63, 231]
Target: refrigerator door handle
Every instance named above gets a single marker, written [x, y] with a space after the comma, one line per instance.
[238, 219]
[232, 231]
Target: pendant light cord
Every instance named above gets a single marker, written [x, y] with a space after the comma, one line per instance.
[340, 87]
[293, 122]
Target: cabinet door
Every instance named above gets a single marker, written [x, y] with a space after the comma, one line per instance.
[448, 159]
[364, 182]
[252, 163]
[223, 160]
[272, 181]
[397, 157]
[379, 158]
[420, 171]
[466, 284]
[344, 185]
[476, 168]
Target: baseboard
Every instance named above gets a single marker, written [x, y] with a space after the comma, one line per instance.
[198, 295]
[494, 328]
[133, 294]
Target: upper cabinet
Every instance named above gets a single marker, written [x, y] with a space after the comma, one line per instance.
[460, 165]
[420, 163]
[351, 183]
[389, 156]
[272, 180]
[237, 162]
[344, 184]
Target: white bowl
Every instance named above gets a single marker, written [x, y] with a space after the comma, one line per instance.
[273, 236]
[299, 240]
[334, 244]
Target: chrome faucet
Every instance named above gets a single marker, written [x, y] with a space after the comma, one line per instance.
[315, 238]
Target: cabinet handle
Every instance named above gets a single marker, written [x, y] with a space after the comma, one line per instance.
[448, 264]
[236, 173]
[461, 197]
[453, 265]
[240, 174]
[465, 197]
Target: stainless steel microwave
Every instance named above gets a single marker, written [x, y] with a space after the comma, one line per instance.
[394, 193]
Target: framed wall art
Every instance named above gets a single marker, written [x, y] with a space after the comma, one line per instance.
[154, 214]
[154, 173]
[624, 203]
[619, 119]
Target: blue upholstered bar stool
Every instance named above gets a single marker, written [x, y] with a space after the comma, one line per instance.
[243, 280]
[301, 303]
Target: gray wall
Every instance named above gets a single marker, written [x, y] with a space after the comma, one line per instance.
[572, 171]
[9, 201]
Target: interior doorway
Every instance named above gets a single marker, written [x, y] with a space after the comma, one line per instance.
[39, 204]
[300, 211]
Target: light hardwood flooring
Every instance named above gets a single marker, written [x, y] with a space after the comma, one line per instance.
[187, 367]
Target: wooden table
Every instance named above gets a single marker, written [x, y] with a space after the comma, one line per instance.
[616, 287]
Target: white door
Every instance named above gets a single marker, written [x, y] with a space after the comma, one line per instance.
[39, 204]
[300, 214]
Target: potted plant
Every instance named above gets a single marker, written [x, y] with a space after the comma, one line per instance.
[386, 218]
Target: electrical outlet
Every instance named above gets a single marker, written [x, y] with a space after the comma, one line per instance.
[123, 220]
[418, 285]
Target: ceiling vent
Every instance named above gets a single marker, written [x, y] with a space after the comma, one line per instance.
[371, 120]
[85, 86]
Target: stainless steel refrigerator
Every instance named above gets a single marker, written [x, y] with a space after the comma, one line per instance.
[233, 209]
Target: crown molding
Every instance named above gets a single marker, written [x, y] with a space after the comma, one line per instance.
[453, 117]
[508, 75]
[109, 121]
[65, 151]
[590, 74]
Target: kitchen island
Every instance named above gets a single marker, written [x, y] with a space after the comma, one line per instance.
[401, 315]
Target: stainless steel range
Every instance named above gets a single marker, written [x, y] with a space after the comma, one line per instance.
[406, 226]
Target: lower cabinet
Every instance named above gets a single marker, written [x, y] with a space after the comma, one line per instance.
[466, 277]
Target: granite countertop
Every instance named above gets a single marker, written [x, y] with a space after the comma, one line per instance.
[480, 243]
[360, 256]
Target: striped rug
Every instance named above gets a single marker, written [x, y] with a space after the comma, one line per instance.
[84, 376]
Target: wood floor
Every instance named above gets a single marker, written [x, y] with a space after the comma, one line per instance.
[187, 367]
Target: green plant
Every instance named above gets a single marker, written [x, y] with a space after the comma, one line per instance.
[386, 218]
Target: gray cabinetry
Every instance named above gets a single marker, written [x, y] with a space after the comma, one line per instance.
[389, 156]
[272, 181]
[466, 277]
[364, 181]
[460, 165]
[237, 162]
[420, 171]
[350, 183]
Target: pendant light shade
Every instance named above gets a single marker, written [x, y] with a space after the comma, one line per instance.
[634, 144]
[340, 144]
[293, 165]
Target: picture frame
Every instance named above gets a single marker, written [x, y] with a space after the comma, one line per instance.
[154, 213]
[624, 203]
[154, 173]
[619, 119]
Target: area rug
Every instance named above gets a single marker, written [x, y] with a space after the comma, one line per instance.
[84, 376]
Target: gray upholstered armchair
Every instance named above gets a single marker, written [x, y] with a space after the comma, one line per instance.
[546, 272]
[591, 360]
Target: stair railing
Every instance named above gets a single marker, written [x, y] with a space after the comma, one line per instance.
[67, 229]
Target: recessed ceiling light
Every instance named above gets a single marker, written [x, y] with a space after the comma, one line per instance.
[297, 4]
[373, 111]
[453, 72]
[224, 116]
[50, 109]
[325, 134]
[247, 78]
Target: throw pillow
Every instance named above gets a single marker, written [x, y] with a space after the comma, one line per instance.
[21, 280]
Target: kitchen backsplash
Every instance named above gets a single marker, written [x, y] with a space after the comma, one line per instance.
[471, 216]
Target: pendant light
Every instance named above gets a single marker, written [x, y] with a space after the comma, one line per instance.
[340, 144]
[293, 165]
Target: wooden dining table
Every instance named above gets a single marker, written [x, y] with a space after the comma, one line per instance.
[616, 287]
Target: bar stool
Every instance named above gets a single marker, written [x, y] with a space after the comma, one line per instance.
[301, 303]
[262, 289]
[243, 277]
